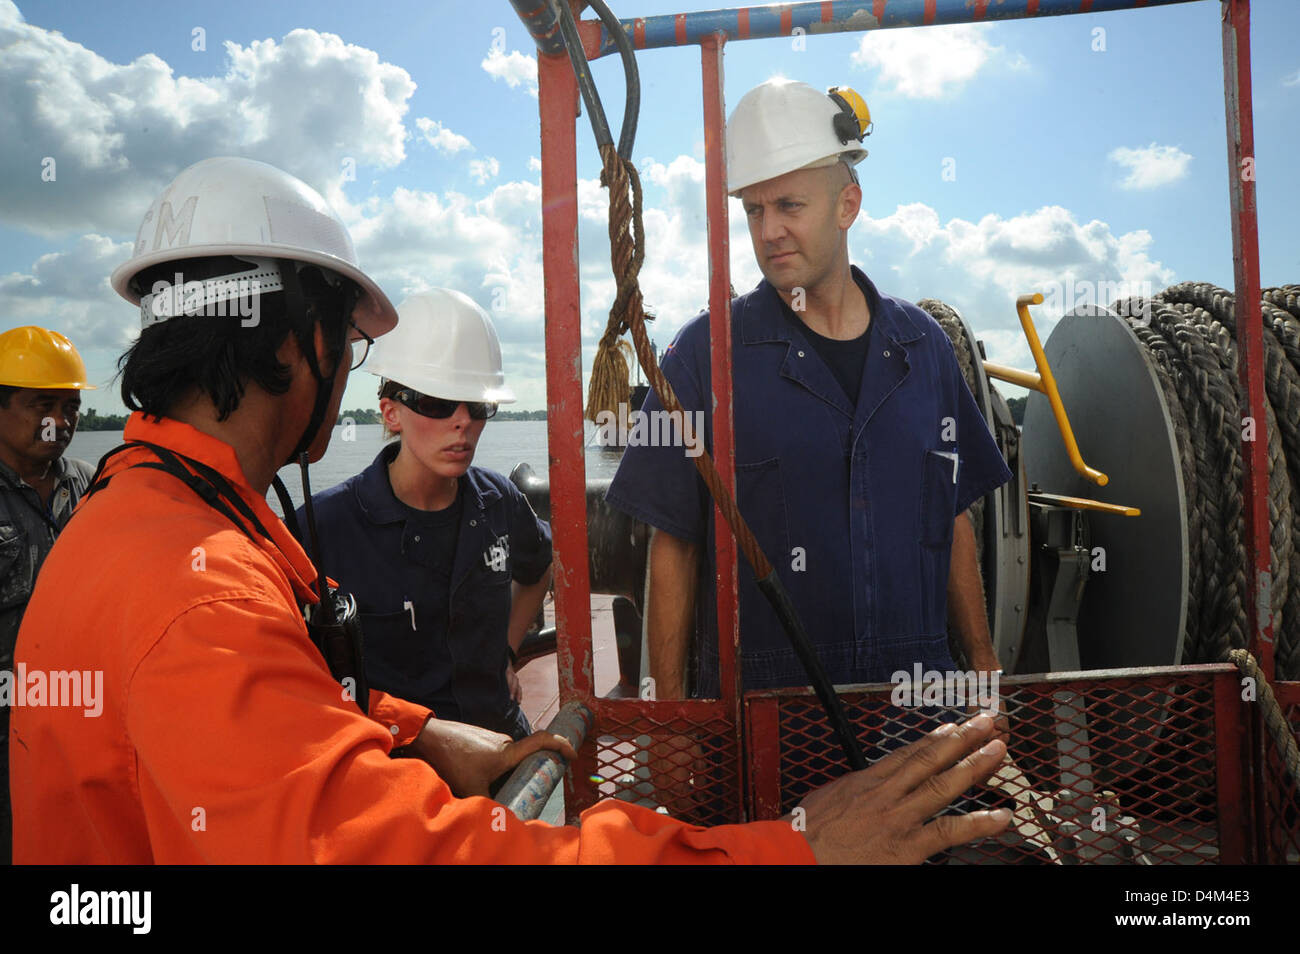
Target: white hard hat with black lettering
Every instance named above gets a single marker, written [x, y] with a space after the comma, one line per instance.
[229, 206]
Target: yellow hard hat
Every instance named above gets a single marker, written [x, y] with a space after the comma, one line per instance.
[40, 359]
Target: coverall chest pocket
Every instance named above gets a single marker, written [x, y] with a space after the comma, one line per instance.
[760, 494]
[938, 498]
[15, 566]
[399, 657]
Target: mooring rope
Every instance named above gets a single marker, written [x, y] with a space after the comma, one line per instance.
[1279, 729]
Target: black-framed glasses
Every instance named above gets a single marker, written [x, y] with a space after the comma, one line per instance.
[428, 406]
[360, 346]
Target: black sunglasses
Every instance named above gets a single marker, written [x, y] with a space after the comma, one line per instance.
[428, 406]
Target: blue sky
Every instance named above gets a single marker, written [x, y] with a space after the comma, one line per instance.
[1071, 154]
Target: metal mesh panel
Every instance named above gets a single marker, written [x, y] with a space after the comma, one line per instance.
[1113, 771]
[685, 767]
[1281, 795]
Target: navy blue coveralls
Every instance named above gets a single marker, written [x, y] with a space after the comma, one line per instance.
[852, 503]
[435, 631]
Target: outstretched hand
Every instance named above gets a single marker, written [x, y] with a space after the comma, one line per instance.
[469, 758]
[885, 814]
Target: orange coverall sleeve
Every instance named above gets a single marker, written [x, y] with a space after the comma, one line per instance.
[247, 752]
[401, 718]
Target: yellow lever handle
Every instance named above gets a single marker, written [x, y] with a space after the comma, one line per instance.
[1044, 383]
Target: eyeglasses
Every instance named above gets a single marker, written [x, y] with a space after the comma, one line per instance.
[427, 406]
[360, 346]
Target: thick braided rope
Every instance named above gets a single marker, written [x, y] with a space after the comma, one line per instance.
[1282, 389]
[1279, 482]
[1274, 720]
[1204, 546]
[626, 253]
[1201, 351]
[1162, 363]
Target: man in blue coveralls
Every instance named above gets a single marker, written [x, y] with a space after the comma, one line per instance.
[858, 445]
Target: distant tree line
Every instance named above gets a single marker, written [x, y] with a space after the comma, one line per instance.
[92, 420]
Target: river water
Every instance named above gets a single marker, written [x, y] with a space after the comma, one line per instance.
[502, 445]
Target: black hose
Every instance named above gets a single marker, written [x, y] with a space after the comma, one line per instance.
[582, 71]
[771, 588]
[632, 106]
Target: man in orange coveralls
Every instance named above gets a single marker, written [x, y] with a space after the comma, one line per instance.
[219, 733]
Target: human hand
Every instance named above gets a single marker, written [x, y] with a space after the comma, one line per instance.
[884, 814]
[512, 680]
[469, 758]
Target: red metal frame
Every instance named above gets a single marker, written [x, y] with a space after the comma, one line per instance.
[724, 455]
[1250, 323]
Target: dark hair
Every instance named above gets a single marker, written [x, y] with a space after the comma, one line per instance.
[6, 392]
[216, 353]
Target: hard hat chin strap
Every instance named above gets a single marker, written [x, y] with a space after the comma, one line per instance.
[296, 307]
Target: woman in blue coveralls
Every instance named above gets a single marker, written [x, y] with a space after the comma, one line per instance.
[448, 563]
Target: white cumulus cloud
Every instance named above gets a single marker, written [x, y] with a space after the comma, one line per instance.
[481, 170]
[1152, 166]
[440, 137]
[514, 68]
[118, 132]
[928, 63]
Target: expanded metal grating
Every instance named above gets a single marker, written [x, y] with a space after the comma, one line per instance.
[683, 767]
[1105, 768]
[1101, 771]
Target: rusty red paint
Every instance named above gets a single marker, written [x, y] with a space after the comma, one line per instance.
[828, 11]
[1085, 6]
[679, 25]
[1250, 327]
[558, 106]
[715, 190]
[878, 9]
[1231, 745]
[1031, 9]
[928, 16]
[638, 33]
[762, 735]
[742, 22]
[981, 8]
[787, 21]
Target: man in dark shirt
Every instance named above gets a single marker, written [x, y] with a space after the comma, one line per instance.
[41, 377]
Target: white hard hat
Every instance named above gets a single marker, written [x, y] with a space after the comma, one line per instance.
[248, 209]
[444, 346]
[783, 125]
